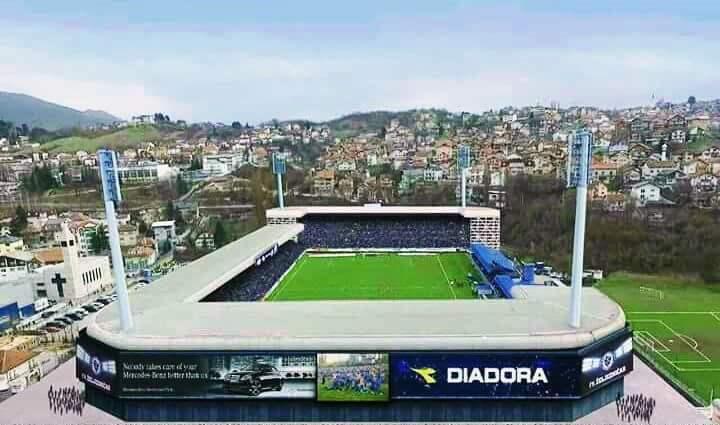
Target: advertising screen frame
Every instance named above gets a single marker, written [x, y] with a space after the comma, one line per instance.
[574, 363]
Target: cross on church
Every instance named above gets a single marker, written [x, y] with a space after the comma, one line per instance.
[59, 281]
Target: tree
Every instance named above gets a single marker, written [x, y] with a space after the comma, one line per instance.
[181, 186]
[19, 222]
[691, 100]
[39, 180]
[142, 227]
[258, 192]
[99, 240]
[220, 235]
[195, 164]
[177, 216]
[169, 211]
[236, 125]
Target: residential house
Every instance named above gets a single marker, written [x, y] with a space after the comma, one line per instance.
[598, 191]
[18, 369]
[705, 183]
[652, 168]
[695, 167]
[346, 188]
[128, 235]
[164, 234]
[11, 244]
[140, 257]
[324, 182]
[640, 152]
[615, 202]
[432, 174]
[205, 241]
[669, 178]
[639, 129]
[645, 192]
[604, 171]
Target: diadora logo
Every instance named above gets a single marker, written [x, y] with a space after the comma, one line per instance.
[427, 374]
[608, 359]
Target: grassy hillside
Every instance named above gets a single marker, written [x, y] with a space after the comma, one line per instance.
[24, 109]
[126, 138]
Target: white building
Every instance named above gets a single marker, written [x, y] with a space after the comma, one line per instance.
[646, 192]
[222, 164]
[14, 266]
[74, 280]
[11, 244]
[432, 174]
[144, 172]
[164, 231]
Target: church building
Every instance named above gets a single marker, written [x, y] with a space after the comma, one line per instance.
[76, 279]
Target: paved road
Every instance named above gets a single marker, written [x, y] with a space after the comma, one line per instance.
[31, 406]
[671, 408]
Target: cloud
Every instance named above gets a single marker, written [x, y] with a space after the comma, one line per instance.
[470, 58]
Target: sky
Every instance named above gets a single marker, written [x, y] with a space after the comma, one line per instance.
[253, 61]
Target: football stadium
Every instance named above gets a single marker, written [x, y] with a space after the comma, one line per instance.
[368, 313]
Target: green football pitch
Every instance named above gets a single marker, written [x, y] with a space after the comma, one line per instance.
[383, 276]
[677, 324]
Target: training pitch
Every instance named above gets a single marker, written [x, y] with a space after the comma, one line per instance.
[677, 324]
[377, 276]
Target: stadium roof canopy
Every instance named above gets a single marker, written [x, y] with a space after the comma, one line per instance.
[168, 315]
[298, 212]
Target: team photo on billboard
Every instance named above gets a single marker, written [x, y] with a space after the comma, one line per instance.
[352, 377]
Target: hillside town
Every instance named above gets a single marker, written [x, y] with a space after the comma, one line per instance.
[198, 187]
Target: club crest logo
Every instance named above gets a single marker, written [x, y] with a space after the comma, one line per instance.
[608, 359]
[95, 365]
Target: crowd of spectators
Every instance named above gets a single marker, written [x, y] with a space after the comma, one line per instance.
[385, 232]
[255, 282]
[65, 400]
[346, 232]
[635, 407]
[361, 379]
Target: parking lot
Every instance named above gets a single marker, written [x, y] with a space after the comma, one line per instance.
[62, 322]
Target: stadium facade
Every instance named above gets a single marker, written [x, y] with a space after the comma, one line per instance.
[203, 349]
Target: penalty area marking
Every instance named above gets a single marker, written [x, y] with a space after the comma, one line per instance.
[646, 338]
[674, 363]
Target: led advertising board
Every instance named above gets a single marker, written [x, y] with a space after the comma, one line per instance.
[96, 365]
[355, 376]
[236, 375]
[483, 375]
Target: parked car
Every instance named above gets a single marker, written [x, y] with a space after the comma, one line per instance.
[91, 308]
[64, 320]
[47, 314]
[103, 301]
[74, 316]
[253, 380]
[55, 325]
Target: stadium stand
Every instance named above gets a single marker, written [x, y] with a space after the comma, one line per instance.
[342, 231]
[255, 282]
